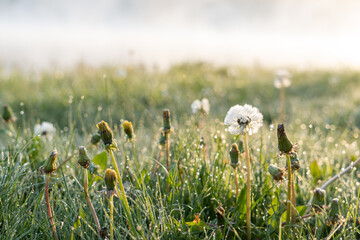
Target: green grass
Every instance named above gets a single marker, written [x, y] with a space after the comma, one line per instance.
[322, 118]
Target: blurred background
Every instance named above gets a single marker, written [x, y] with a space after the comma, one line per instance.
[36, 34]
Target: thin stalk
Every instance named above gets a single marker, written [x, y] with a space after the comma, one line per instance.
[122, 196]
[288, 210]
[167, 147]
[157, 162]
[282, 104]
[96, 220]
[236, 183]
[111, 201]
[248, 189]
[47, 199]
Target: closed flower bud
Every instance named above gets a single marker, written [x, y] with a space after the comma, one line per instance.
[319, 199]
[276, 172]
[110, 179]
[294, 162]
[166, 119]
[284, 144]
[49, 166]
[128, 129]
[8, 114]
[105, 133]
[84, 159]
[234, 155]
[95, 139]
[334, 214]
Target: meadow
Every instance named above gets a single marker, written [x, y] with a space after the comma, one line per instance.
[195, 197]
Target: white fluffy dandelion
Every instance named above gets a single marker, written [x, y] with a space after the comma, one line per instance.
[203, 106]
[282, 79]
[240, 118]
[45, 129]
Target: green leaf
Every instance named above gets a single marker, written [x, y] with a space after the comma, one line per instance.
[77, 222]
[315, 170]
[101, 160]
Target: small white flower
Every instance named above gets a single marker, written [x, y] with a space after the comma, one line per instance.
[202, 105]
[282, 79]
[244, 117]
[45, 129]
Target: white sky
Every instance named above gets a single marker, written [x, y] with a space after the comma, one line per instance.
[275, 33]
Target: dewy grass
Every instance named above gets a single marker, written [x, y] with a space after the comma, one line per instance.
[107, 138]
[323, 127]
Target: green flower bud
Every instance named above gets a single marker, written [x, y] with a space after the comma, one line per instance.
[128, 129]
[110, 179]
[319, 199]
[276, 172]
[84, 159]
[234, 155]
[220, 216]
[95, 139]
[105, 133]
[166, 120]
[49, 166]
[294, 162]
[284, 144]
[8, 114]
[334, 214]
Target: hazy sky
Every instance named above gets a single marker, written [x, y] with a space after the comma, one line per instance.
[277, 33]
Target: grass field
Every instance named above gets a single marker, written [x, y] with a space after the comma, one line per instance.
[322, 117]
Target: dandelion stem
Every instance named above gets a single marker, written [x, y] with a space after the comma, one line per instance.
[96, 220]
[248, 189]
[167, 147]
[47, 199]
[111, 201]
[122, 196]
[236, 183]
[288, 211]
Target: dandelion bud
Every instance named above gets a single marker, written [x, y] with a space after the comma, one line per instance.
[284, 143]
[276, 172]
[105, 132]
[234, 155]
[8, 114]
[294, 162]
[334, 214]
[84, 159]
[166, 119]
[220, 216]
[49, 166]
[104, 232]
[110, 179]
[319, 199]
[95, 139]
[128, 129]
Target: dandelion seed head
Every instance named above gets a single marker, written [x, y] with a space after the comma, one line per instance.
[200, 106]
[244, 117]
[282, 79]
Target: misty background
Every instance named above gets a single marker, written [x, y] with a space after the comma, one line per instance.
[275, 33]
